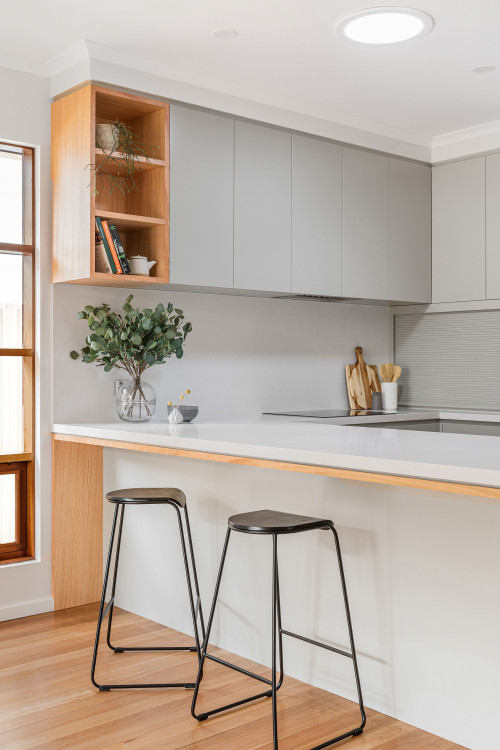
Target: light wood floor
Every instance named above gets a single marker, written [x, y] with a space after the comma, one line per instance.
[48, 703]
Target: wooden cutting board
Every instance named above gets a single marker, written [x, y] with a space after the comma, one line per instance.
[362, 380]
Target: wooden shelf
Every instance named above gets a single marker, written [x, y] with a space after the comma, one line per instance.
[127, 221]
[114, 168]
[141, 216]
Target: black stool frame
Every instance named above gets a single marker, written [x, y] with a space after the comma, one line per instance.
[196, 610]
[277, 635]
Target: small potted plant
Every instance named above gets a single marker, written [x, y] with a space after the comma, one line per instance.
[133, 342]
[121, 162]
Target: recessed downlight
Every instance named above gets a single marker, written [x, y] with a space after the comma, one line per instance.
[484, 69]
[226, 34]
[385, 25]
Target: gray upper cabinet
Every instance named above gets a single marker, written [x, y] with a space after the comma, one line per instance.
[201, 198]
[409, 231]
[316, 217]
[493, 226]
[366, 225]
[458, 231]
[262, 208]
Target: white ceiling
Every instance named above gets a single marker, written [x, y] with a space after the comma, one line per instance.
[420, 89]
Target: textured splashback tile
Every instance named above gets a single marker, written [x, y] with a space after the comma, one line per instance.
[449, 359]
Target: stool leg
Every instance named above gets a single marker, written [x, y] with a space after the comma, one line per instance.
[195, 574]
[205, 655]
[190, 590]
[280, 630]
[351, 636]
[273, 660]
[113, 585]
[103, 598]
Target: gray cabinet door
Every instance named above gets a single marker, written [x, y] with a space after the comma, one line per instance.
[458, 231]
[316, 217]
[262, 208]
[493, 226]
[201, 198]
[409, 231]
[366, 225]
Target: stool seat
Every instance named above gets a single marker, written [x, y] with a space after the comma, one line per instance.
[275, 522]
[148, 495]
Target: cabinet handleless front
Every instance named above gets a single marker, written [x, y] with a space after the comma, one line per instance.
[409, 231]
[262, 208]
[201, 198]
[458, 231]
[316, 216]
[366, 225]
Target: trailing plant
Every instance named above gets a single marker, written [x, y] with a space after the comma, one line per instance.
[135, 341]
[118, 168]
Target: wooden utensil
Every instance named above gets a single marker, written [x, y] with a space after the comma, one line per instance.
[388, 372]
[362, 380]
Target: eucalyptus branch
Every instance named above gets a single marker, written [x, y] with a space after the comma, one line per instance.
[135, 341]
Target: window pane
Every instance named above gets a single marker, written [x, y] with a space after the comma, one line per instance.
[11, 197]
[11, 301]
[7, 508]
[11, 405]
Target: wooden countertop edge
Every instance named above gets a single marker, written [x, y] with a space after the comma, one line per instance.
[473, 490]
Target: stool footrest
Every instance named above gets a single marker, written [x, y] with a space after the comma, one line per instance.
[187, 685]
[206, 714]
[316, 643]
[120, 650]
[241, 670]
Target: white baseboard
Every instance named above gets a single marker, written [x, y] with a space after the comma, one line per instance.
[25, 609]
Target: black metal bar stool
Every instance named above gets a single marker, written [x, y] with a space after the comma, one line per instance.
[274, 523]
[148, 496]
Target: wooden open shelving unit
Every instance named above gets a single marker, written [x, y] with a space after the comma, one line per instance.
[141, 216]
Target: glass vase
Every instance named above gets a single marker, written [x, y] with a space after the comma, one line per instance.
[135, 401]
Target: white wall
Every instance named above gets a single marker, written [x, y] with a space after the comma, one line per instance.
[421, 568]
[245, 354]
[25, 588]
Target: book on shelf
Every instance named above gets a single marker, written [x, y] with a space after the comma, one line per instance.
[108, 246]
[118, 247]
[102, 264]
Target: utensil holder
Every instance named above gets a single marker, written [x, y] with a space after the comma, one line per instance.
[389, 396]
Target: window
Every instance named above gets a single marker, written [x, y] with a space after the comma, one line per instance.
[16, 353]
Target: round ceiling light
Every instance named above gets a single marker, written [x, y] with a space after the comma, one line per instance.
[385, 25]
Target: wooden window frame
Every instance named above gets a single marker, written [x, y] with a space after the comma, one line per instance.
[22, 464]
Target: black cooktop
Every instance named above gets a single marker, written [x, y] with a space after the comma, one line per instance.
[326, 413]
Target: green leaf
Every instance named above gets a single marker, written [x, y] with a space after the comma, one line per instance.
[89, 309]
[146, 324]
[170, 333]
[74, 355]
[179, 353]
[101, 314]
[136, 339]
[107, 368]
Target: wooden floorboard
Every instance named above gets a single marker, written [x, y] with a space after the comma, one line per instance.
[49, 703]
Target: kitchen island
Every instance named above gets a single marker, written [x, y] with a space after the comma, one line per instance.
[418, 518]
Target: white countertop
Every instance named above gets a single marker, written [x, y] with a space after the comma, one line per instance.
[468, 459]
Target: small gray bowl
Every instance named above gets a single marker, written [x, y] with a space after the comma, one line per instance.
[188, 412]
